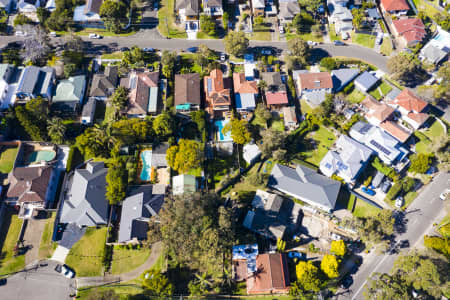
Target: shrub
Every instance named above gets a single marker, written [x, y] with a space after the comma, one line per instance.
[368, 181]
[394, 191]
[349, 88]
[441, 245]
[420, 163]
[281, 245]
[328, 63]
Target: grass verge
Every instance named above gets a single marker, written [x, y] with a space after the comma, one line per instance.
[9, 235]
[47, 246]
[125, 260]
[362, 39]
[166, 19]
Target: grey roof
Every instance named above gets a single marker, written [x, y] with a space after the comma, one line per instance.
[5, 4]
[35, 80]
[86, 204]
[433, 54]
[159, 155]
[373, 13]
[393, 94]
[89, 108]
[273, 80]
[212, 3]
[342, 77]
[366, 80]
[377, 179]
[142, 203]
[71, 89]
[7, 72]
[104, 84]
[306, 184]
[93, 6]
[191, 7]
[289, 9]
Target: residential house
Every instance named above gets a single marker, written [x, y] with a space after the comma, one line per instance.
[88, 113]
[188, 14]
[187, 92]
[313, 87]
[35, 82]
[6, 5]
[411, 107]
[271, 275]
[69, 94]
[347, 159]
[342, 77]
[273, 216]
[88, 13]
[251, 153]
[85, 202]
[438, 48]
[159, 155]
[217, 94]
[411, 31]
[366, 81]
[103, 85]
[290, 117]
[213, 8]
[183, 183]
[394, 7]
[340, 16]
[306, 185]
[30, 188]
[270, 9]
[388, 149]
[258, 7]
[143, 94]
[142, 203]
[245, 93]
[276, 94]
[8, 84]
[373, 14]
[288, 10]
[28, 7]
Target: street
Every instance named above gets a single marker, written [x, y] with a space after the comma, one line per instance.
[426, 209]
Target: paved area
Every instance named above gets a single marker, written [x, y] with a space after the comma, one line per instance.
[41, 283]
[72, 234]
[60, 254]
[32, 239]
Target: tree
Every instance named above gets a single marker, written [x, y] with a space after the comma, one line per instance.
[404, 67]
[259, 20]
[56, 130]
[271, 141]
[236, 43]
[207, 25]
[113, 14]
[358, 17]
[420, 162]
[374, 229]
[33, 118]
[73, 43]
[330, 265]
[97, 294]
[338, 248]
[21, 19]
[163, 124]
[156, 284]
[116, 182]
[386, 287]
[239, 131]
[328, 63]
[328, 105]
[119, 98]
[308, 277]
[225, 20]
[311, 5]
[262, 113]
[69, 69]
[279, 154]
[36, 46]
[42, 14]
[96, 141]
[300, 49]
[443, 89]
[185, 156]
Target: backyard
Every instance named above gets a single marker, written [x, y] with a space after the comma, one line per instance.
[86, 255]
[426, 137]
[324, 139]
[380, 90]
[167, 21]
[7, 158]
[304, 107]
[362, 208]
[355, 96]
[127, 259]
[9, 235]
[363, 39]
[47, 246]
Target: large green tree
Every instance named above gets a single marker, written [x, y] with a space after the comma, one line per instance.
[113, 14]
[405, 68]
[330, 265]
[163, 124]
[420, 163]
[116, 181]
[236, 43]
[299, 49]
[239, 131]
[443, 89]
[185, 156]
[271, 140]
[56, 130]
[308, 276]
[157, 284]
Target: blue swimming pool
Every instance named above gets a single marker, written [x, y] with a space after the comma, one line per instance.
[220, 136]
[146, 157]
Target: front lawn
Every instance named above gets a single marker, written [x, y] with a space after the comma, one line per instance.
[355, 96]
[101, 31]
[7, 158]
[362, 39]
[381, 90]
[125, 260]
[324, 140]
[428, 135]
[386, 47]
[114, 55]
[166, 24]
[332, 33]
[86, 255]
[9, 235]
[261, 33]
[435, 130]
[305, 107]
[47, 246]
[364, 209]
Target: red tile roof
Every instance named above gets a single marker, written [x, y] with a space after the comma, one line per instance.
[272, 275]
[411, 29]
[377, 109]
[242, 86]
[409, 101]
[29, 184]
[276, 98]
[419, 118]
[313, 81]
[394, 5]
[395, 130]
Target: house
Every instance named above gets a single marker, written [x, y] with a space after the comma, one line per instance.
[245, 93]
[88, 113]
[313, 87]
[217, 94]
[184, 183]
[35, 82]
[271, 275]
[276, 94]
[342, 77]
[251, 153]
[244, 261]
[103, 85]
[394, 7]
[69, 94]
[88, 13]
[388, 149]
[438, 48]
[187, 92]
[85, 203]
[340, 15]
[271, 9]
[6, 5]
[143, 94]
[306, 185]
[213, 8]
[273, 216]
[159, 155]
[28, 6]
[411, 31]
[347, 160]
[288, 10]
[290, 117]
[258, 7]
[188, 12]
[411, 107]
[366, 81]
[8, 83]
[142, 203]
[373, 14]
[30, 188]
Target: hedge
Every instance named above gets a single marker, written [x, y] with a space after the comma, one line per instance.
[72, 150]
[394, 191]
[441, 245]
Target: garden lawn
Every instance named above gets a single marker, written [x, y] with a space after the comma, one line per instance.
[362, 39]
[9, 235]
[355, 96]
[428, 9]
[123, 291]
[125, 260]
[261, 33]
[433, 133]
[278, 125]
[363, 209]
[304, 107]
[114, 55]
[386, 47]
[166, 19]
[324, 139]
[332, 33]
[385, 88]
[47, 246]
[435, 130]
[7, 158]
[86, 255]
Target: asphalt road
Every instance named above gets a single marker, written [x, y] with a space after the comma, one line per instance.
[426, 209]
[150, 38]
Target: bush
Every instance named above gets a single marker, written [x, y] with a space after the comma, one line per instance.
[420, 163]
[394, 191]
[22, 20]
[367, 181]
[408, 184]
[328, 63]
[349, 88]
[441, 245]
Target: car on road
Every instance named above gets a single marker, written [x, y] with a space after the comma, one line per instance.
[311, 43]
[295, 254]
[445, 194]
[3, 281]
[156, 5]
[266, 51]
[399, 202]
[346, 282]
[20, 33]
[192, 49]
[368, 191]
[53, 34]
[94, 36]
[223, 57]
[148, 49]
[281, 28]
[379, 39]
[123, 49]
[404, 244]
[64, 270]
[385, 186]
[339, 43]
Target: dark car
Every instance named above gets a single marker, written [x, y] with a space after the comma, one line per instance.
[404, 244]
[3, 281]
[192, 49]
[124, 49]
[346, 282]
[339, 43]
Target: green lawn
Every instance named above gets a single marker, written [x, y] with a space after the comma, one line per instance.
[278, 125]
[261, 33]
[100, 31]
[435, 130]
[355, 96]
[259, 121]
[114, 55]
[166, 19]
[381, 90]
[124, 291]
[197, 172]
[305, 36]
[385, 88]
[375, 93]
[47, 246]
[386, 47]
[202, 35]
[362, 39]
[86, 255]
[324, 139]
[7, 158]
[332, 33]
[433, 133]
[363, 209]
[304, 107]
[9, 235]
[125, 260]
[428, 9]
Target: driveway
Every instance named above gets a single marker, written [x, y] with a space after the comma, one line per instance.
[71, 234]
[32, 239]
[41, 283]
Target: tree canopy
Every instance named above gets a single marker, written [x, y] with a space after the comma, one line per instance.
[156, 284]
[236, 43]
[239, 131]
[116, 181]
[113, 14]
[330, 265]
[308, 276]
[404, 68]
[163, 124]
[185, 156]
[420, 162]
[338, 248]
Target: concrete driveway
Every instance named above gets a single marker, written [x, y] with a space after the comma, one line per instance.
[41, 283]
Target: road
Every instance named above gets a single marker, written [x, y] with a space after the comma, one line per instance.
[151, 38]
[426, 209]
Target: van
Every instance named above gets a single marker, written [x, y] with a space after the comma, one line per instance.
[53, 34]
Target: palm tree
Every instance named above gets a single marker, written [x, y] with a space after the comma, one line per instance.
[56, 130]
[262, 85]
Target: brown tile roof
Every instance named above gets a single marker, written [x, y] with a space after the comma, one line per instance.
[377, 109]
[272, 274]
[419, 118]
[29, 184]
[411, 29]
[313, 81]
[395, 130]
[240, 269]
[139, 94]
[187, 89]
[217, 90]
[242, 86]
[394, 5]
[409, 101]
[104, 84]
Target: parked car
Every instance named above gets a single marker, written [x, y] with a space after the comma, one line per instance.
[368, 191]
[295, 254]
[192, 49]
[404, 244]
[347, 282]
[3, 281]
[156, 5]
[445, 194]
[223, 57]
[281, 28]
[399, 202]
[339, 43]
[64, 270]
[20, 33]
[53, 34]
[94, 36]
[385, 186]
[148, 49]
[311, 43]
[379, 39]
[345, 35]
[266, 51]
[123, 49]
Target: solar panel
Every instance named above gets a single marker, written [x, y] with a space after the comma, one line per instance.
[209, 82]
[341, 166]
[328, 165]
[380, 147]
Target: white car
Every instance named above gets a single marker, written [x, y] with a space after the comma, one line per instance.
[399, 202]
[20, 33]
[53, 34]
[223, 57]
[281, 28]
[445, 194]
[65, 271]
[94, 36]
[345, 35]
[311, 43]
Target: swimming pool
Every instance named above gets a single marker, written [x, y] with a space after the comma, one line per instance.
[220, 136]
[41, 155]
[146, 157]
[439, 38]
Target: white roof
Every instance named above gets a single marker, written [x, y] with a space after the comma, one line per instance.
[249, 70]
[80, 16]
[251, 151]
